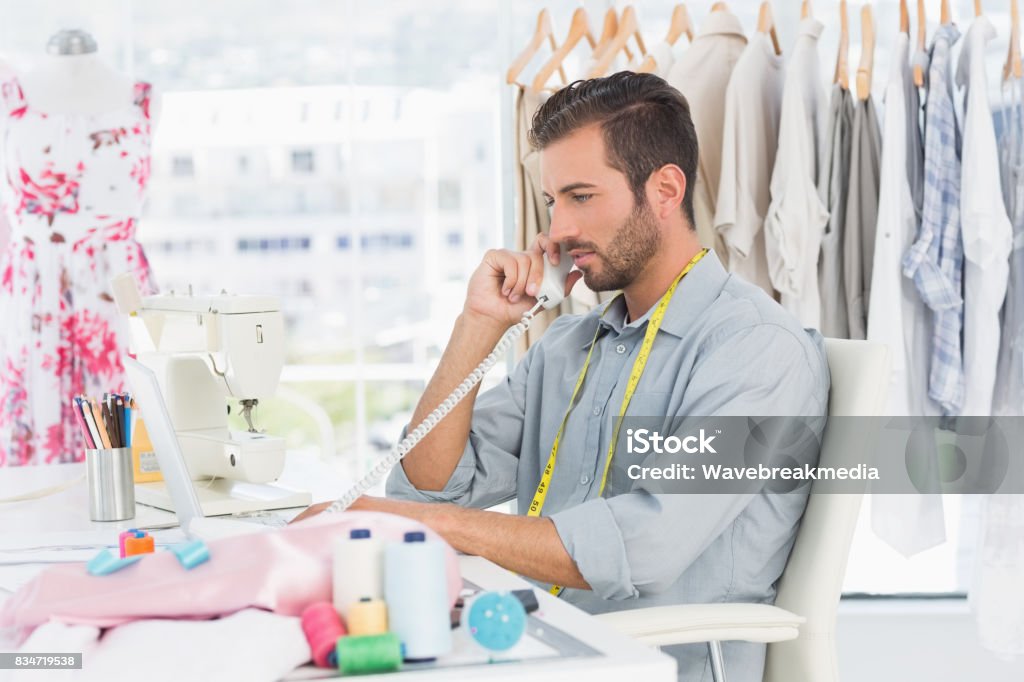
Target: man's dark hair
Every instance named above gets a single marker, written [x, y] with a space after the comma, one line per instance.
[646, 124]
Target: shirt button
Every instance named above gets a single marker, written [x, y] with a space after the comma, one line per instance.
[584, 479]
[620, 349]
[597, 411]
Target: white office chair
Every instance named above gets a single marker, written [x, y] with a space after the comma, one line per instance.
[800, 627]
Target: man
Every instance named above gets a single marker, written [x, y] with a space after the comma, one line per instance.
[618, 156]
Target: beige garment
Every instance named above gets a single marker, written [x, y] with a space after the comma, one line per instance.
[702, 74]
[532, 215]
[796, 218]
[753, 103]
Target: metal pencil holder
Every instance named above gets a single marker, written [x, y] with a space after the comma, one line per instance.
[111, 484]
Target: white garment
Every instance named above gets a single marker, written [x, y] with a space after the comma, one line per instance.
[908, 523]
[753, 103]
[702, 74]
[987, 233]
[796, 218]
[664, 59]
[247, 646]
[902, 322]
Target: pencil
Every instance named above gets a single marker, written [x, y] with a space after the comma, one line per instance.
[83, 405]
[98, 416]
[81, 423]
[121, 425]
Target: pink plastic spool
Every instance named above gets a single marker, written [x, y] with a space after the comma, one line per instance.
[323, 627]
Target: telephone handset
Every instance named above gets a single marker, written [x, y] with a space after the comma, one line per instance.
[552, 288]
[550, 294]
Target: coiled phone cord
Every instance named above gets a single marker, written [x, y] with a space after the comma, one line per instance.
[440, 412]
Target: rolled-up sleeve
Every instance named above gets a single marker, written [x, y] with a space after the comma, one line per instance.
[486, 472]
[639, 543]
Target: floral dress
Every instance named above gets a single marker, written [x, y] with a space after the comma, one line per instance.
[71, 188]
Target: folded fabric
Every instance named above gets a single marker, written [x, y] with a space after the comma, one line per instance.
[249, 646]
[283, 571]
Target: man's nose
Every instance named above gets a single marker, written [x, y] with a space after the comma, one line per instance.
[563, 226]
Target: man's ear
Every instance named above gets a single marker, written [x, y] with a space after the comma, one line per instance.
[666, 189]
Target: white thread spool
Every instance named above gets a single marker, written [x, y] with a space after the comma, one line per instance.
[416, 588]
[358, 570]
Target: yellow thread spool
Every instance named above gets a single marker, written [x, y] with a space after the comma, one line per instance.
[368, 617]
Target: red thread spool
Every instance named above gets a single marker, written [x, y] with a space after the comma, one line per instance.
[323, 627]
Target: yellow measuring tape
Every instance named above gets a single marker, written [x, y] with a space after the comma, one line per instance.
[634, 378]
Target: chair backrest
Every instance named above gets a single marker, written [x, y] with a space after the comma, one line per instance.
[812, 582]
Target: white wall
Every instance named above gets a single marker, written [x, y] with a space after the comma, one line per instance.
[903, 641]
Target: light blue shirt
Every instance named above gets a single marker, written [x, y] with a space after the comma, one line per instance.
[724, 349]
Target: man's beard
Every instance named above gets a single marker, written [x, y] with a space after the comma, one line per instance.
[627, 254]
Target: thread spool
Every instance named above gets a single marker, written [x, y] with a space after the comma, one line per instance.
[495, 620]
[368, 654]
[416, 589]
[358, 570]
[322, 627]
[368, 617]
[142, 543]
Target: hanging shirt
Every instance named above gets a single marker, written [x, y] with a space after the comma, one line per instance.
[1009, 392]
[797, 216]
[664, 59]
[701, 74]
[935, 260]
[987, 233]
[861, 215]
[832, 188]
[753, 103]
[724, 348]
[898, 317]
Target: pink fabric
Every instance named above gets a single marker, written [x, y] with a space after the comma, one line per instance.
[284, 571]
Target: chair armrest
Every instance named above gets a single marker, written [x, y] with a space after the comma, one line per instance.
[689, 623]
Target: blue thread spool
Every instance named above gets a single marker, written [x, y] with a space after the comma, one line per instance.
[495, 620]
[416, 590]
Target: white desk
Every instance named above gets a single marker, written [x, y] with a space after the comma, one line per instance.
[614, 656]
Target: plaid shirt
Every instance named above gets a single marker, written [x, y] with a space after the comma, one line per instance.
[935, 260]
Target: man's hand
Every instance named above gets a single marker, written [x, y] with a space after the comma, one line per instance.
[506, 283]
[310, 511]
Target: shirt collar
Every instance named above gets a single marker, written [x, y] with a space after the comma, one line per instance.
[695, 292]
[722, 23]
[811, 27]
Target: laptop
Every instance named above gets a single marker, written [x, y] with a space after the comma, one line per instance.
[177, 481]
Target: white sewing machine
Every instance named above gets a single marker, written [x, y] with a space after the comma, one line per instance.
[206, 350]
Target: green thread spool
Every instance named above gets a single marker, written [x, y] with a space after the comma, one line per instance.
[362, 654]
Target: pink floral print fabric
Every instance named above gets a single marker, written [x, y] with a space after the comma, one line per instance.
[71, 188]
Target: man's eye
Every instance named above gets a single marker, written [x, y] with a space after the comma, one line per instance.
[581, 198]
[549, 202]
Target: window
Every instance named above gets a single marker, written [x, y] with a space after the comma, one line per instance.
[183, 167]
[302, 161]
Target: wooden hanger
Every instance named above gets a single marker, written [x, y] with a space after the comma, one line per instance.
[867, 53]
[806, 10]
[579, 28]
[1012, 69]
[544, 31]
[977, 8]
[922, 24]
[628, 27]
[904, 18]
[766, 24]
[842, 76]
[719, 7]
[608, 31]
[945, 18]
[678, 26]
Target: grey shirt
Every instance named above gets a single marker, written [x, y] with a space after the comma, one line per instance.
[724, 348]
[833, 187]
[861, 215]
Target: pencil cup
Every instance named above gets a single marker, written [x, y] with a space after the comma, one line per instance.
[111, 484]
